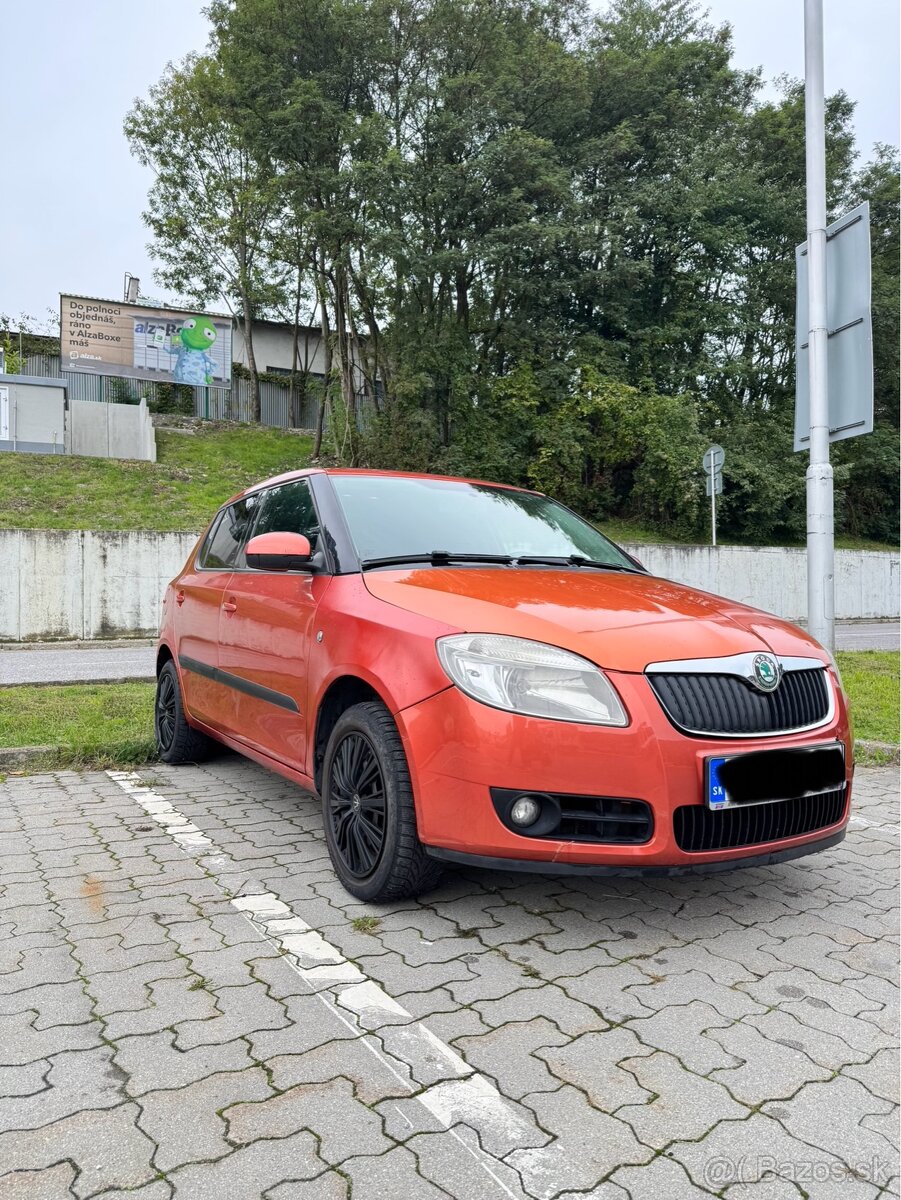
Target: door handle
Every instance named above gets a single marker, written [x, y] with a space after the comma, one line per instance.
[179, 598]
[229, 606]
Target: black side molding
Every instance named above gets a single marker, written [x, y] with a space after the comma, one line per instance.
[279, 699]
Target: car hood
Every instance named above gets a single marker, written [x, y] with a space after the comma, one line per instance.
[620, 621]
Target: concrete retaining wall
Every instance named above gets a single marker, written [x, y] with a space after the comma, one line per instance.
[111, 430]
[775, 579]
[83, 584]
[95, 585]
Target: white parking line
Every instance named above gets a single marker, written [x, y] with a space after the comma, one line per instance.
[459, 1094]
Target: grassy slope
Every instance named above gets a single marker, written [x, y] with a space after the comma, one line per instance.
[628, 531]
[103, 724]
[194, 473]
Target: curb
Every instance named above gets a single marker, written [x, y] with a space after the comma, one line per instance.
[20, 756]
[38, 683]
[17, 756]
[888, 752]
[139, 642]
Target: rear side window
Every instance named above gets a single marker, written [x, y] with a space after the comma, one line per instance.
[289, 509]
[226, 546]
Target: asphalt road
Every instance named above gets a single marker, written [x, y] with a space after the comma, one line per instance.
[54, 663]
[873, 635]
[50, 663]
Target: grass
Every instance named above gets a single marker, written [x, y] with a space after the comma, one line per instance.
[194, 473]
[871, 679]
[94, 724]
[100, 725]
[370, 925]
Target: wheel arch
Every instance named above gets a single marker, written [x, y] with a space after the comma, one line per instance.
[341, 694]
[164, 655]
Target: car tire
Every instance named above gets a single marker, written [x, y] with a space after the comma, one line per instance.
[365, 759]
[176, 741]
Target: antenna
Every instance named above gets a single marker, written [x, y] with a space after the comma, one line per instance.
[132, 288]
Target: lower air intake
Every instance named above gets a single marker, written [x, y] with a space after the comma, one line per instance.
[699, 829]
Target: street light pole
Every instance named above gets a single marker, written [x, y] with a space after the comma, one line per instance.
[820, 518]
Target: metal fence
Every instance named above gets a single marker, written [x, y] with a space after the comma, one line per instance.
[213, 404]
[107, 389]
[236, 404]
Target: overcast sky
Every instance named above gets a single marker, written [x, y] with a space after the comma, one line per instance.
[71, 196]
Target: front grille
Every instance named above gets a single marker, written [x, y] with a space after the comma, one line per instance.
[728, 704]
[698, 828]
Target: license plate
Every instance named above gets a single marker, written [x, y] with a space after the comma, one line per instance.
[768, 776]
[716, 791]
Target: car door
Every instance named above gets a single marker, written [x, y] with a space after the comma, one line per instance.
[265, 631]
[199, 597]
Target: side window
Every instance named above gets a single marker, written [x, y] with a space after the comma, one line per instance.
[289, 509]
[203, 554]
[226, 547]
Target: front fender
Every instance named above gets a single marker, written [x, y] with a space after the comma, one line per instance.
[388, 648]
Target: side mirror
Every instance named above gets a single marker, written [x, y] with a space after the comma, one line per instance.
[279, 552]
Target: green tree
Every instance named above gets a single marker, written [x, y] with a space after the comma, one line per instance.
[870, 501]
[545, 245]
[212, 200]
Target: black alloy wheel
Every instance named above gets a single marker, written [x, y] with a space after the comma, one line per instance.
[166, 713]
[356, 804]
[368, 809]
[176, 740]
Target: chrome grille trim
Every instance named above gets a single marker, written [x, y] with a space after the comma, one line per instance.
[732, 664]
[739, 667]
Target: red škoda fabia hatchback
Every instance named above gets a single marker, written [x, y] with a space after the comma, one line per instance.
[470, 673]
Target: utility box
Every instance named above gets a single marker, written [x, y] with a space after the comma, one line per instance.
[37, 417]
[33, 414]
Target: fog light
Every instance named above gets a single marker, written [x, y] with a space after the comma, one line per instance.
[525, 811]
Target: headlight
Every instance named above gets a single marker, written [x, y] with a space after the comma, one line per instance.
[530, 678]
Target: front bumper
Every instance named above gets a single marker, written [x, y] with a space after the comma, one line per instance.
[752, 859]
[458, 749]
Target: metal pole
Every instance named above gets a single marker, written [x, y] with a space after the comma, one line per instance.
[713, 504]
[820, 518]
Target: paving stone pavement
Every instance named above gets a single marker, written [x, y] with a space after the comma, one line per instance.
[190, 1007]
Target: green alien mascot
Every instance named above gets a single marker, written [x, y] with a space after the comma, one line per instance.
[190, 345]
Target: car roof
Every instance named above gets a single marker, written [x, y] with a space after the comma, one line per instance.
[307, 471]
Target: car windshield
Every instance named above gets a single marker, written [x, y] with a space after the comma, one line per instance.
[391, 517]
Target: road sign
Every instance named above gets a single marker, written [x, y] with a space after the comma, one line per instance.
[713, 460]
[849, 346]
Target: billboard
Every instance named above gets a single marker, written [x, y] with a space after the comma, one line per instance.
[170, 345]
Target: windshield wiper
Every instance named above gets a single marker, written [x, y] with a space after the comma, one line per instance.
[444, 558]
[572, 560]
[436, 558]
